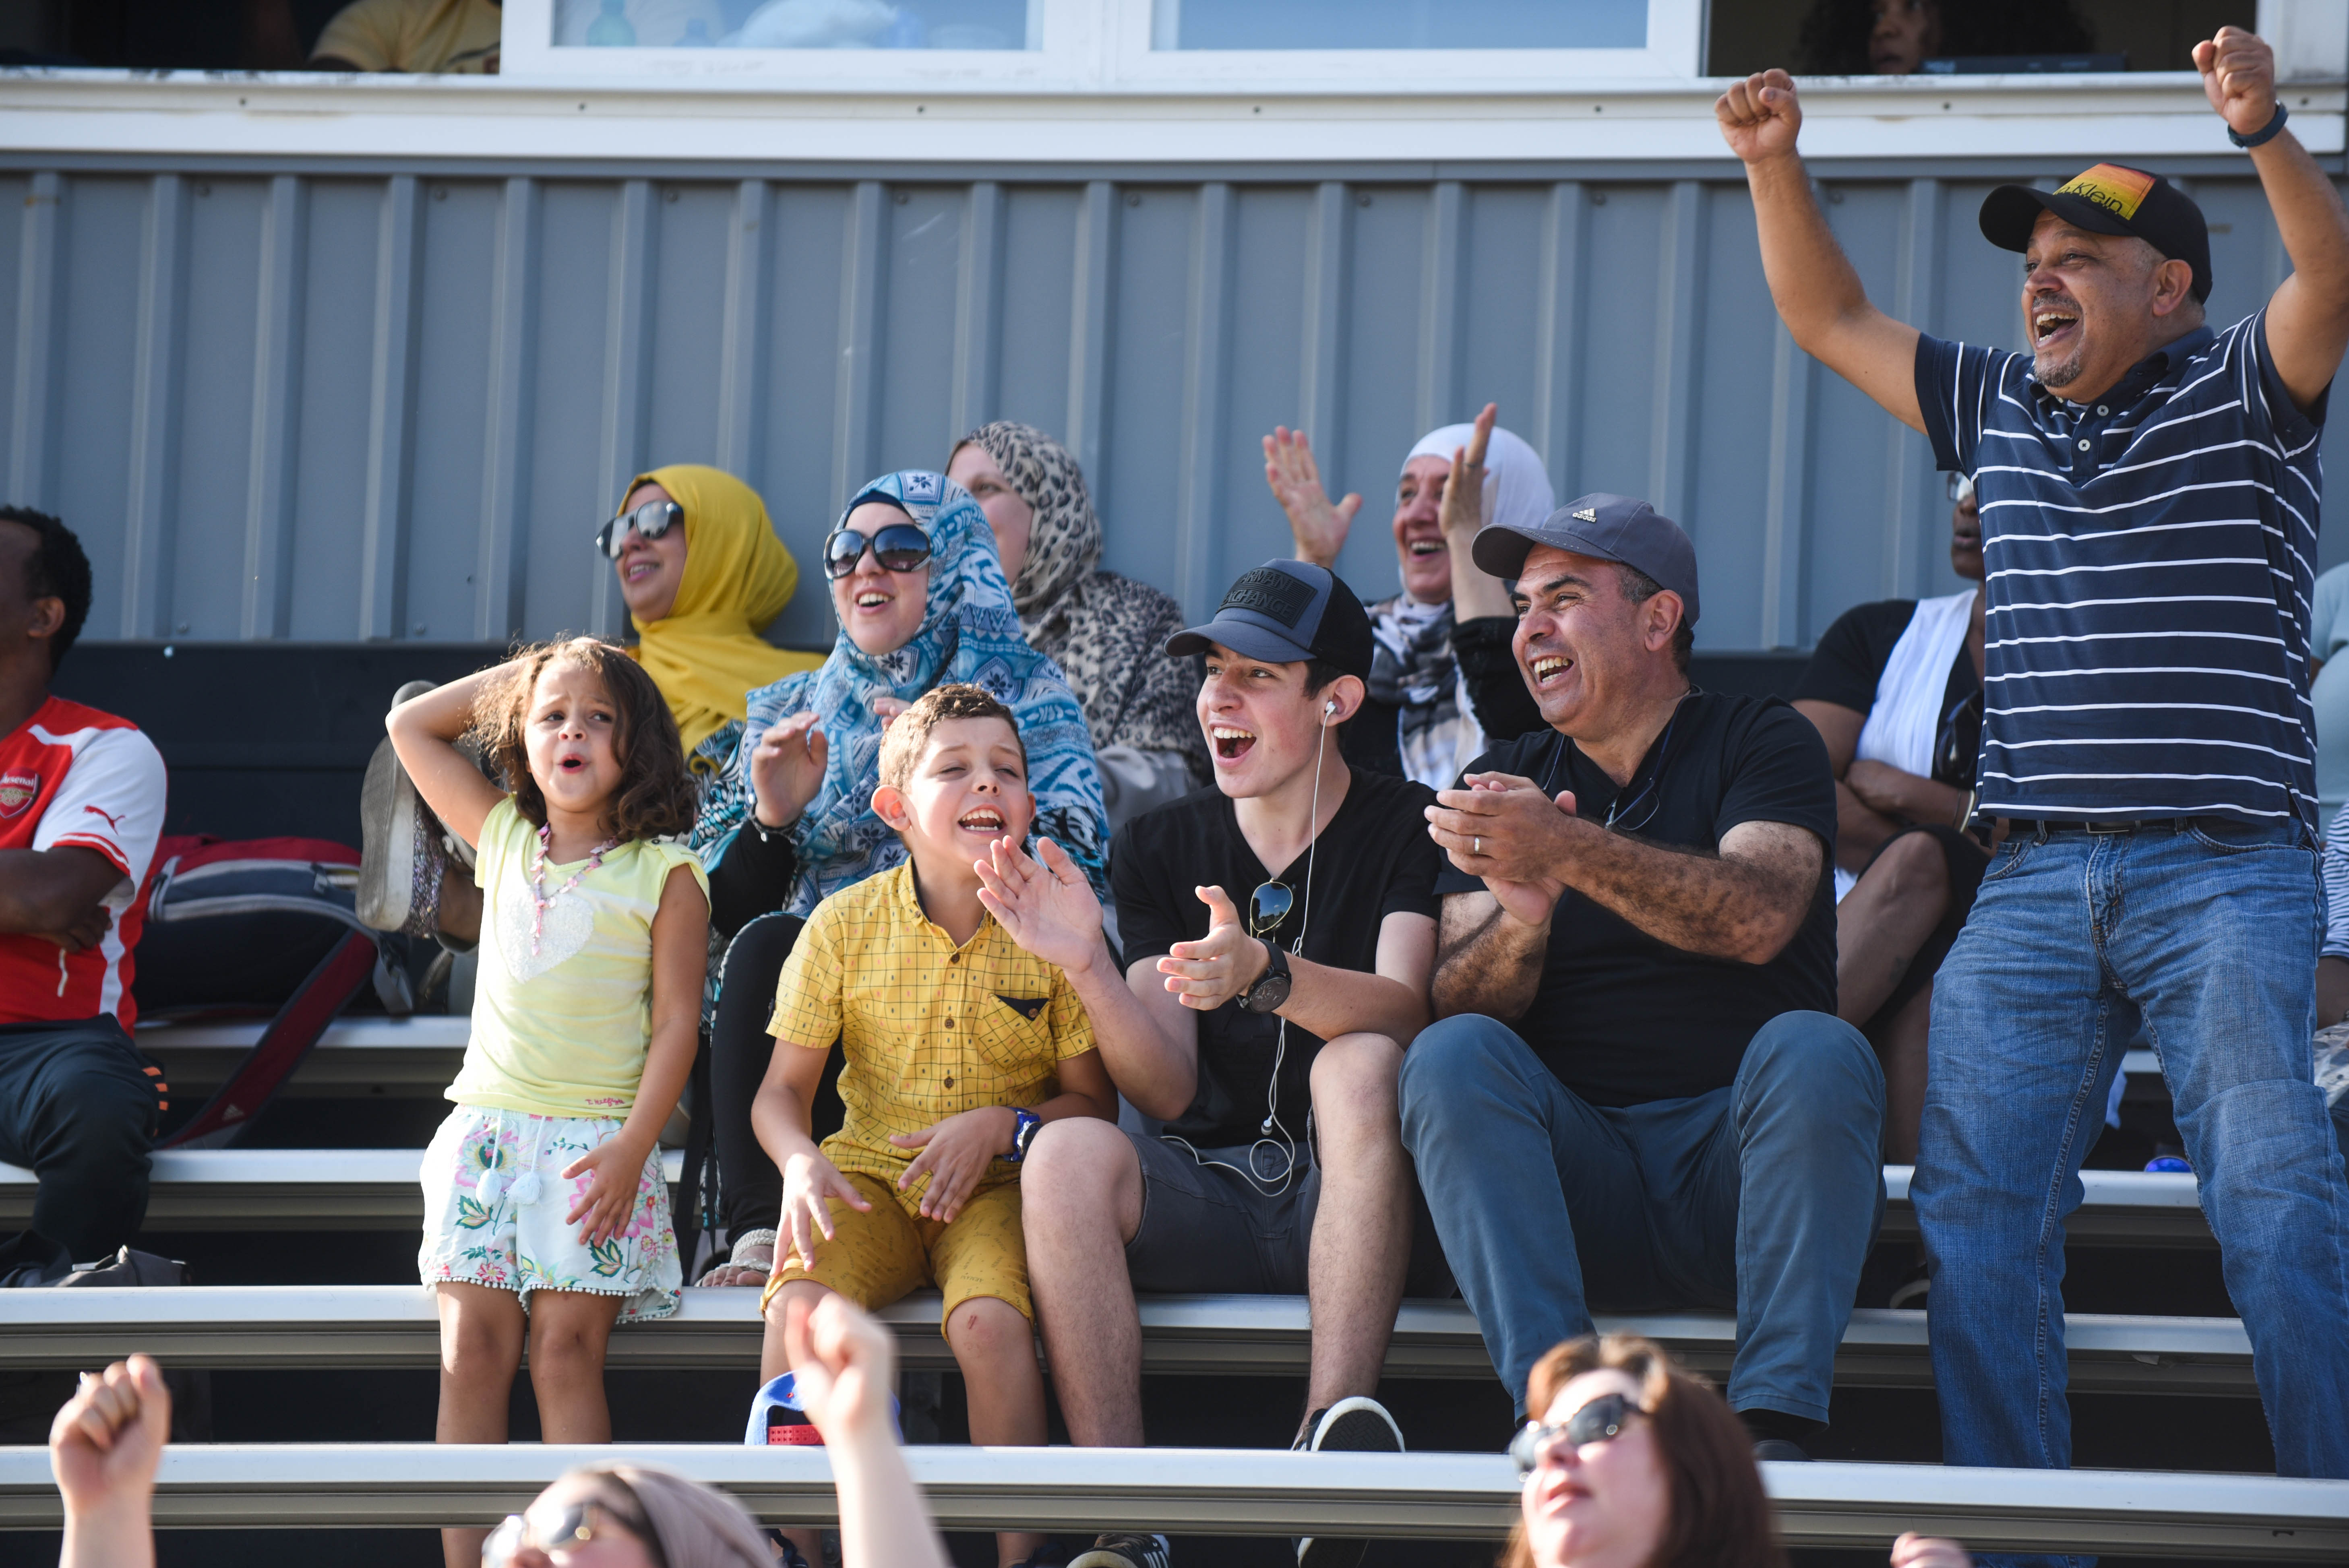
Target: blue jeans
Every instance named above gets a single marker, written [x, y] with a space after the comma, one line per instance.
[2206, 939]
[1764, 1195]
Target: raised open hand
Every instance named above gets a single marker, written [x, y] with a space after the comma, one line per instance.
[1760, 116]
[1319, 526]
[1043, 903]
[2238, 78]
[1462, 512]
[787, 768]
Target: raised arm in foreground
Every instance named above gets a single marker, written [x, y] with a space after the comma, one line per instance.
[1812, 282]
[2308, 319]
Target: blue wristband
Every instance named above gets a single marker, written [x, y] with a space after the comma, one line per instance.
[1024, 1124]
[2262, 137]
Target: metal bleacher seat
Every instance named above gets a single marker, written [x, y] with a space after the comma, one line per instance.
[375, 1189]
[413, 1057]
[1228, 1492]
[279, 1327]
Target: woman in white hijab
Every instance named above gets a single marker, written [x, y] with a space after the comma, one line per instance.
[1443, 684]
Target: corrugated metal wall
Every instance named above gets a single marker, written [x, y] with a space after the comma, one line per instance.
[337, 408]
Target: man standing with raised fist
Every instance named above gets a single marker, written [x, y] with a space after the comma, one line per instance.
[2150, 491]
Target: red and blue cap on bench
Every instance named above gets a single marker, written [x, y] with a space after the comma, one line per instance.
[776, 1417]
[1285, 613]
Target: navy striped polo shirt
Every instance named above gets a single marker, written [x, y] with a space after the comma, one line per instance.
[2149, 560]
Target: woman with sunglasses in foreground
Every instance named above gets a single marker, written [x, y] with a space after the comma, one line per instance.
[108, 1441]
[1634, 1463]
[1896, 690]
[922, 603]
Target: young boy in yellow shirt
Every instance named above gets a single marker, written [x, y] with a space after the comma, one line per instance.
[959, 1045]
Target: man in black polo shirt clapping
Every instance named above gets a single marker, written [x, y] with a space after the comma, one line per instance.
[1638, 1095]
[2148, 491]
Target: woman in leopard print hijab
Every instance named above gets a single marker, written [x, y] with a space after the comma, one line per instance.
[1107, 633]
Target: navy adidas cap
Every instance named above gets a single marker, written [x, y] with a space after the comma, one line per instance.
[1617, 527]
[1286, 612]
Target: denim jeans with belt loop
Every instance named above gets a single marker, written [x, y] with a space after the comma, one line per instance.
[1764, 1196]
[2204, 933]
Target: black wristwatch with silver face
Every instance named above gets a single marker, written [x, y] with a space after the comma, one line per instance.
[1271, 987]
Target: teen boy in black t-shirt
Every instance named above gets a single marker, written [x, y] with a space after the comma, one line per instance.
[1640, 1094]
[1292, 904]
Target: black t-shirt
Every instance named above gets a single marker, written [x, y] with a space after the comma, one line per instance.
[1848, 663]
[1373, 859]
[1621, 1017]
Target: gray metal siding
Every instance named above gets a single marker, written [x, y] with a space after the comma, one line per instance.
[333, 407]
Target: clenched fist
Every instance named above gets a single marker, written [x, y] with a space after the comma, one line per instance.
[2239, 78]
[1761, 115]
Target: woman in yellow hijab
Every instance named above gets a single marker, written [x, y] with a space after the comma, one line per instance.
[699, 594]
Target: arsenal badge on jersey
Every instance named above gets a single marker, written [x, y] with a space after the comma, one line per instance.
[17, 789]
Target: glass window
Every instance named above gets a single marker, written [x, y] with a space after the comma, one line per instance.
[1399, 25]
[798, 24]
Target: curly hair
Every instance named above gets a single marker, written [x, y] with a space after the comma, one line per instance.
[1720, 1516]
[655, 798]
[909, 732]
[1833, 37]
[56, 568]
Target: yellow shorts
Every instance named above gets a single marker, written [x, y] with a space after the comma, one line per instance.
[885, 1255]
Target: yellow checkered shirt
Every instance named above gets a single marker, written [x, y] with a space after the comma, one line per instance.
[929, 1029]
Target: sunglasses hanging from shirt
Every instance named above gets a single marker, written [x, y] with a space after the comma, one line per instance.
[899, 547]
[650, 520]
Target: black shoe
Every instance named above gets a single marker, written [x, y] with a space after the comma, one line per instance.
[1125, 1551]
[1353, 1426]
[1784, 1450]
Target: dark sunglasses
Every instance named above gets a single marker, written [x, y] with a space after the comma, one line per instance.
[1599, 1421]
[1267, 907]
[899, 547]
[650, 520]
[575, 1527]
[1961, 489]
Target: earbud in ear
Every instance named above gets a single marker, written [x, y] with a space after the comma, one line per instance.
[1330, 707]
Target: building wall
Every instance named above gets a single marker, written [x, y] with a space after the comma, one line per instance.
[336, 406]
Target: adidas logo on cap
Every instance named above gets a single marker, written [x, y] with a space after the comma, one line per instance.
[1585, 514]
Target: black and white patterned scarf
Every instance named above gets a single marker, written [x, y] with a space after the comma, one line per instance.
[1107, 633]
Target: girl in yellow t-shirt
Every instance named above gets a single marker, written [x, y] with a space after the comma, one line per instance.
[544, 1210]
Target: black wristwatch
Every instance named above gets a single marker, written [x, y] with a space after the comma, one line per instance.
[1271, 987]
[1024, 1126]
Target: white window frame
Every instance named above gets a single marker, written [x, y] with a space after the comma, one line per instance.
[1104, 45]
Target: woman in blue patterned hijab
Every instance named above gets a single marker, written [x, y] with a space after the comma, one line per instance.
[969, 633]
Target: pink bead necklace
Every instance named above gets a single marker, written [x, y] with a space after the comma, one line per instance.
[540, 898]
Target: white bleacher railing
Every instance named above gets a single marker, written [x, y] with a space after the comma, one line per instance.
[284, 1326]
[1227, 1492]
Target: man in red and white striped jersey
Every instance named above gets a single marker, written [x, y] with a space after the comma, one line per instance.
[81, 804]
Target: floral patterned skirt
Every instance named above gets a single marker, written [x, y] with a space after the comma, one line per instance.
[494, 1202]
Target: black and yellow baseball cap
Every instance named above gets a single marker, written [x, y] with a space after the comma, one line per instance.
[2110, 199]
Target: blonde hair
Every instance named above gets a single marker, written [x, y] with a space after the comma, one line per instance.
[909, 732]
[1720, 1516]
[654, 797]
